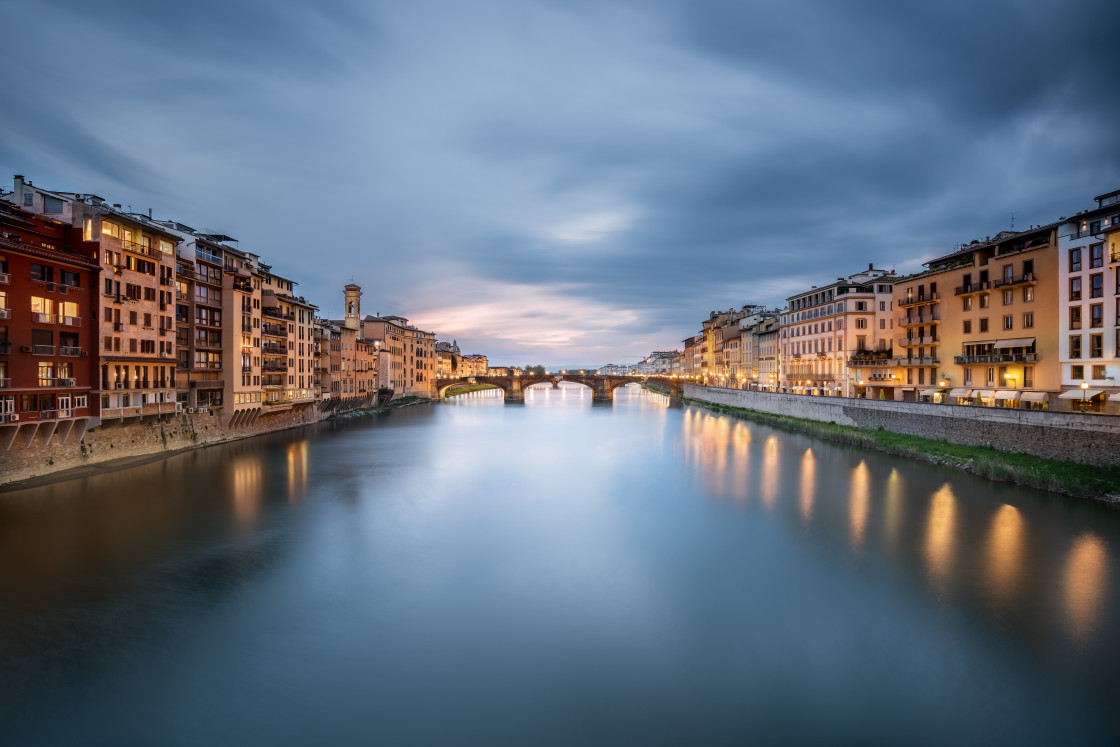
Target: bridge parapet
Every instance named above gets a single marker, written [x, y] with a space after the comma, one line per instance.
[602, 387]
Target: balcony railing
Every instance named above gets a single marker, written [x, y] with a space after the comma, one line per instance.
[1114, 256]
[5, 383]
[69, 352]
[46, 381]
[67, 382]
[208, 255]
[1020, 280]
[276, 313]
[42, 349]
[909, 321]
[72, 321]
[906, 342]
[270, 366]
[996, 358]
[964, 290]
[41, 318]
[273, 330]
[137, 248]
[919, 360]
[916, 300]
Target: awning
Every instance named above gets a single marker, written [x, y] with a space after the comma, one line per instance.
[1114, 397]
[1018, 342]
[1008, 394]
[983, 393]
[960, 393]
[1036, 396]
[1080, 393]
[929, 392]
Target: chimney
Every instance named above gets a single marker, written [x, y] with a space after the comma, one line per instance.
[870, 265]
[117, 205]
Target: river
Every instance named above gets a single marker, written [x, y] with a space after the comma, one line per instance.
[557, 572]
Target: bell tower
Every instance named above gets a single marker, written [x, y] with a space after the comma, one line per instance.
[353, 294]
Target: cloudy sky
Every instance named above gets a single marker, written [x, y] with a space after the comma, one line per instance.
[565, 181]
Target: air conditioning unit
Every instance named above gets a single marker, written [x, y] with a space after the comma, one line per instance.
[12, 417]
[118, 385]
[50, 286]
[190, 410]
[25, 348]
[63, 289]
[203, 410]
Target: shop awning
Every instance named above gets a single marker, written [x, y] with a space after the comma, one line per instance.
[1114, 397]
[961, 393]
[1018, 342]
[983, 393]
[1008, 394]
[1035, 396]
[928, 392]
[1080, 393]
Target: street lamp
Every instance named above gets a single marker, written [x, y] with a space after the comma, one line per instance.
[1084, 391]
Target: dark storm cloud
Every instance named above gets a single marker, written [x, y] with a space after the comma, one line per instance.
[573, 181]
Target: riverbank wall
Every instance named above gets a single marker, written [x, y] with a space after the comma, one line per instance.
[138, 439]
[1073, 437]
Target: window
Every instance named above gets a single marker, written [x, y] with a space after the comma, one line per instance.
[983, 300]
[1096, 346]
[1008, 322]
[110, 229]
[984, 324]
[1096, 255]
[1096, 315]
[1077, 372]
[1028, 294]
[968, 326]
[1075, 259]
[1096, 285]
[882, 324]
[27, 199]
[967, 376]
[42, 273]
[861, 323]
[1008, 273]
[1008, 297]
[1075, 289]
[1028, 320]
[1075, 346]
[967, 303]
[1099, 372]
[1028, 376]
[1075, 317]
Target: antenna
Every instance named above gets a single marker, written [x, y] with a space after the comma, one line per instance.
[1012, 220]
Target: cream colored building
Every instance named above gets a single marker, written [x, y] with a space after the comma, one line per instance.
[822, 329]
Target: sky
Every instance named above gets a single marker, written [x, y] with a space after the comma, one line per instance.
[564, 181]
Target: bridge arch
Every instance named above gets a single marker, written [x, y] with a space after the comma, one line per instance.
[443, 385]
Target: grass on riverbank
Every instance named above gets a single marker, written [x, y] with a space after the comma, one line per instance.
[465, 388]
[658, 389]
[1095, 482]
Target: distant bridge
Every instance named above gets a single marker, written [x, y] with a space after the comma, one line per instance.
[602, 387]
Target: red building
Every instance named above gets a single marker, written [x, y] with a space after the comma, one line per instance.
[48, 348]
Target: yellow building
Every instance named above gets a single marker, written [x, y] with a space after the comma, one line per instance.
[980, 326]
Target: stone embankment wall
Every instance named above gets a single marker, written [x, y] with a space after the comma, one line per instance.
[1074, 437]
[137, 439]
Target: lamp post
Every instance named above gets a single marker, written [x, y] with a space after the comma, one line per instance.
[1084, 391]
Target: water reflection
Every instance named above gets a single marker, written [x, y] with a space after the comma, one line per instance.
[770, 473]
[1005, 552]
[247, 487]
[859, 503]
[297, 471]
[940, 536]
[1084, 578]
[808, 486]
[893, 520]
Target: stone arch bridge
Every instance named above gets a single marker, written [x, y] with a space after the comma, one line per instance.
[602, 387]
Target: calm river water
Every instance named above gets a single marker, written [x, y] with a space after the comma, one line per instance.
[553, 572]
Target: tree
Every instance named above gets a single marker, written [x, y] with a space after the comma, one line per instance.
[537, 370]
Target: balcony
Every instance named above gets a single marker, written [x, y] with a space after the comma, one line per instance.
[276, 313]
[919, 360]
[46, 382]
[67, 382]
[186, 272]
[42, 349]
[910, 321]
[273, 330]
[273, 366]
[867, 358]
[882, 377]
[1026, 278]
[208, 255]
[918, 300]
[242, 286]
[1114, 256]
[70, 352]
[137, 248]
[964, 360]
[965, 290]
[72, 321]
[41, 318]
[5, 383]
[909, 342]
